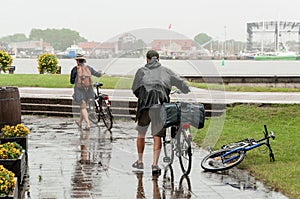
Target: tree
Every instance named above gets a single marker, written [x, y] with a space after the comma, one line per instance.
[202, 38]
[60, 39]
[18, 37]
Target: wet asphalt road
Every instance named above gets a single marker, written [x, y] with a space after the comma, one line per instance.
[65, 162]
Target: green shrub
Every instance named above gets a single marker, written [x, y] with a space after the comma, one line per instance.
[47, 63]
[5, 60]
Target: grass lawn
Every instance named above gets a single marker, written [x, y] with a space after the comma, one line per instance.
[58, 81]
[246, 121]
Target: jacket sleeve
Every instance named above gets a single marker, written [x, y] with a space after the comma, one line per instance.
[73, 75]
[95, 73]
[179, 83]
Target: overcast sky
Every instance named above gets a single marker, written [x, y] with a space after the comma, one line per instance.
[100, 20]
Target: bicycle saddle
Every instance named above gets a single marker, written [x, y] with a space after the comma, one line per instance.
[98, 84]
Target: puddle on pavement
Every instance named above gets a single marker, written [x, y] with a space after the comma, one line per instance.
[235, 178]
[65, 162]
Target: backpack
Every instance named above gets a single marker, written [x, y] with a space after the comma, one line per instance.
[84, 77]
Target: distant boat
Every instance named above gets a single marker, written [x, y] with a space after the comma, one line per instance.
[72, 51]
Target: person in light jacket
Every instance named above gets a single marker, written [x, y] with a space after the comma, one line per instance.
[82, 95]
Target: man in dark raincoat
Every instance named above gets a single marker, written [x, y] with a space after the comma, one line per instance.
[152, 86]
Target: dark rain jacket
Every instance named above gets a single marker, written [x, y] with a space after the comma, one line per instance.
[153, 83]
[80, 93]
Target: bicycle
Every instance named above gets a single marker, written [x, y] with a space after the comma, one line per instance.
[100, 108]
[178, 138]
[233, 154]
[178, 142]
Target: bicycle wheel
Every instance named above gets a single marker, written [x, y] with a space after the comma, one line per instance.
[214, 161]
[168, 179]
[93, 112]
[168, 147]
[106, 115]
[185, 151]
[184, 187]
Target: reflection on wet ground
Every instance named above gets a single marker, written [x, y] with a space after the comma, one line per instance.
[65, 162]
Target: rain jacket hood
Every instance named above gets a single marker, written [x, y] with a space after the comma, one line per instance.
[153, 63]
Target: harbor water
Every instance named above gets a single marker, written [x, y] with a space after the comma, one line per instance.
[128, 66]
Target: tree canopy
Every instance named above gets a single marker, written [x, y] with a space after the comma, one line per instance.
[202, 38]
[18, 37]
[60, 39]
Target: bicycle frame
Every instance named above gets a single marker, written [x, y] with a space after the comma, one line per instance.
[179, 128]
[244, 149]
[249, 146]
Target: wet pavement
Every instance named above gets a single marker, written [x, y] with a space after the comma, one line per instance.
[65, 162]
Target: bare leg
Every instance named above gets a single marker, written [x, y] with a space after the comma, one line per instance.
[85, 116]
[81, 118]
[156, 149]
[140, 143]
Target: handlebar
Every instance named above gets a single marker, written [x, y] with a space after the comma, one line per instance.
[267, 137]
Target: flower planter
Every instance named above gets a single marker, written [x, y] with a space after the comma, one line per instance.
[14, 194]
[22, 141]
[17, 166]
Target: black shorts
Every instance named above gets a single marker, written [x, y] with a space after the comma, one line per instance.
[152, 116]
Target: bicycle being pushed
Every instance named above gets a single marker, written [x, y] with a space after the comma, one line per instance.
[177, 118]
[100, 108]
[233, 154]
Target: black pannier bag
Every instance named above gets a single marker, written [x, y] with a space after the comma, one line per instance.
[193, 113]
[174, 113]
[170, 114]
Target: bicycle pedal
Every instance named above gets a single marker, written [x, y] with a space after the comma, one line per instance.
[167, 159]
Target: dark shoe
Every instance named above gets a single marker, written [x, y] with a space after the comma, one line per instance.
[86, 129]
[156, 170]
[78, 124]
[138, 166]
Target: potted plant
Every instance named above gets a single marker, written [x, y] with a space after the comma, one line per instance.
[12, 157]
[47, 63]
[7, 183]
[5, 61]
[18, 134]
[14, 131]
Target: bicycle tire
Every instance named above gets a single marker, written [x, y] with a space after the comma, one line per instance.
[168, 145]
[184, 187]
[106, 115]
[213, 163]
[185, 151]
[93, 112]
[168, 178]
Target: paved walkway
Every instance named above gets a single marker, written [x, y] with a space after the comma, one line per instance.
[65, 162]
[205, 96]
